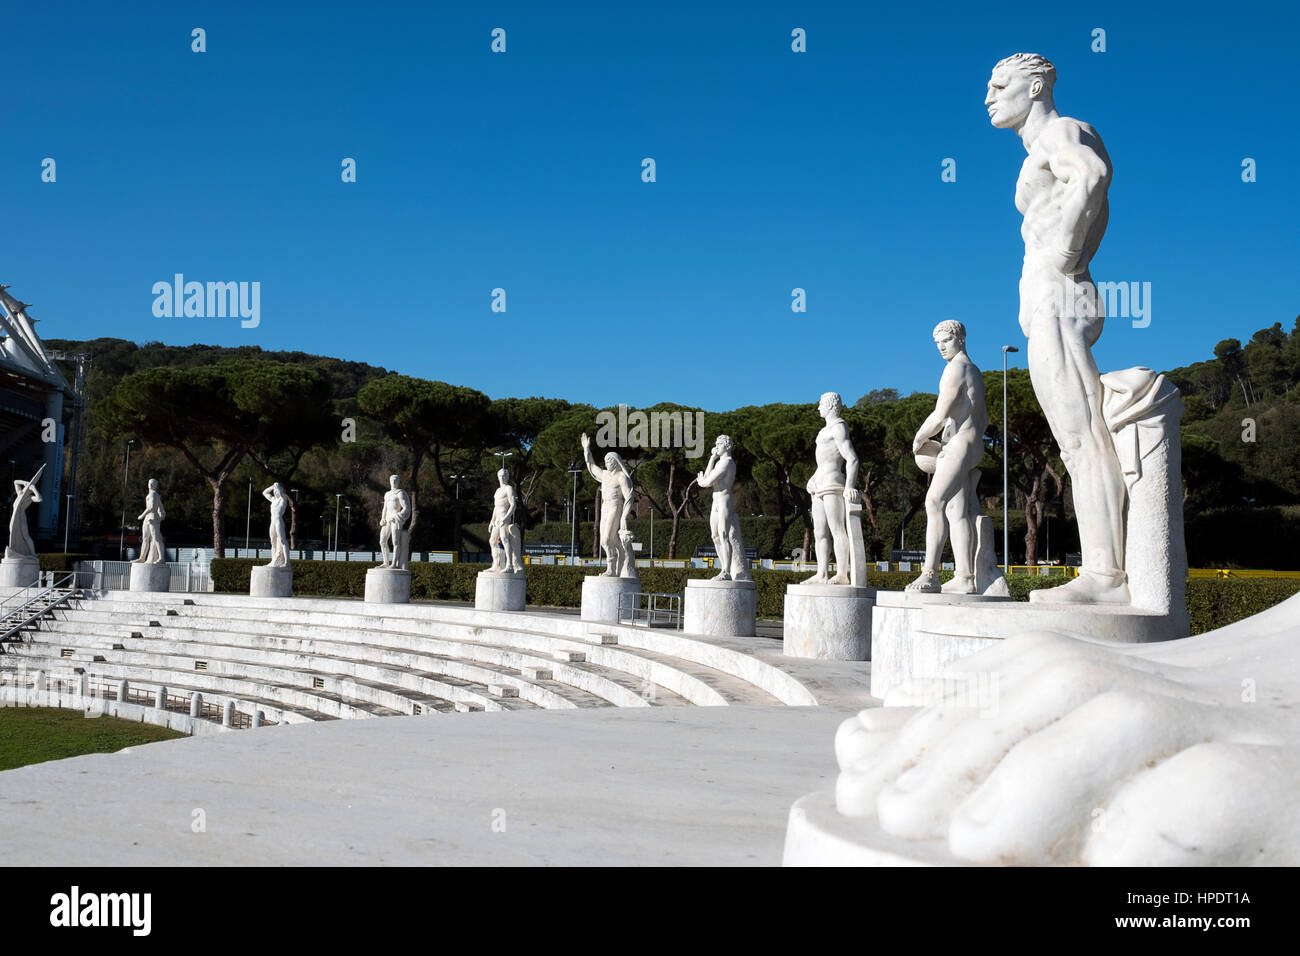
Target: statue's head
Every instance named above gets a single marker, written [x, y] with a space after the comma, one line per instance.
[615, 460]
[503, 476]
[950, 336]
[1015, 85]
[153, 484]
[392, 482]
[723, 445]
[830, 404]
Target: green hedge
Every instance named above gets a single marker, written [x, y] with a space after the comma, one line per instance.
[63, 562]
[1211, 602]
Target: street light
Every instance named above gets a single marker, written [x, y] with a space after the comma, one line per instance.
[248, 518]
[503, 455]
[338, 499]
[348, 509]
[573, 512]
[67, 523]
[126, 479]
[1006, 450]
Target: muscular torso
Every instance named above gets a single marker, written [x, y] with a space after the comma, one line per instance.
[969, 415]
[1041, 197]
[393, 508]
[830, 463]
[502, 503]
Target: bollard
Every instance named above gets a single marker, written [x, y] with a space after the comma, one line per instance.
[257, 718]
[196, 704]
[228, 714]
[160, 698]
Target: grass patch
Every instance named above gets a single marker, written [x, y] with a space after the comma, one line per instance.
[31, 735]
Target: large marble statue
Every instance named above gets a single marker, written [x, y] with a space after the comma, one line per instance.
[724, 524]
[394, 542]
[152, 549]
[616, 501]
[504, 537]
[952, 506]
[836, 501]
[279, 503]
[20, 538]
[1061, 192]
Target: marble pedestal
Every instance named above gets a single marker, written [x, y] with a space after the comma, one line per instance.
[916, 636]
[19, 572]
[388, 586]
[271, 582]
[600, 595]
[720, 608]
[150, 577]
[818, 835]
[828, 621]
[500, 591]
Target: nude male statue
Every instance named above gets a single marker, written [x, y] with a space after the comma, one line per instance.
[1061, 191]
[20, 539]
[832, 487]
[616, 501]
[151, 540]
[951, 506]
[397, 508]
[503, 531]
[724, 524]
[279, 502]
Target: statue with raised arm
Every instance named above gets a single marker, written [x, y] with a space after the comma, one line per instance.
[152, 549]
[279, 502]
[949, 446]
[720, 475]
[616, 501]
[20, 538]
[505, 540]
[1062, 194]
[836, 502]
[393, 540]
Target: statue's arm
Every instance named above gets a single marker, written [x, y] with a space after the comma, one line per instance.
[1084, 172]
[509, 516]
[850, 456]
[711, 473]
[629, 499]
[944, 407]
[269, 493]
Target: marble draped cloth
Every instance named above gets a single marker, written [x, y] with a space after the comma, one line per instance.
[1143, 410]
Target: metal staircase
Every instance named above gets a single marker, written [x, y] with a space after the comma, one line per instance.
[25, 610]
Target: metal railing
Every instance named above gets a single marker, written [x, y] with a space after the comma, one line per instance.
[184, 576]
[35, 601]
[650, 608]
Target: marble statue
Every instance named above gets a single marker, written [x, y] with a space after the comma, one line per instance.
[616, 501]
[394, 541]
[504, 536]
[952, 507]
[20, 538]
[1073, 752]
[279, 503]
[152, 549]
[836, 501]
[724, 524]
[1062, 194]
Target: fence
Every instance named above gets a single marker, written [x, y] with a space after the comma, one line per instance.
[116, 576]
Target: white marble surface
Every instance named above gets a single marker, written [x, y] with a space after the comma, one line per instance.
[394, 540]
[149, 576]
[639, 786]
[26, 493]
[720, 608]
[600, 595]
[19, 572]
[271, 581]
[836, 500]
[1051, 749]
[500, 591]
[828, 621]
[388, 585]
[617, 499]
[153, 549]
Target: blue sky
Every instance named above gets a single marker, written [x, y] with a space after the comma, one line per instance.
[522, 171]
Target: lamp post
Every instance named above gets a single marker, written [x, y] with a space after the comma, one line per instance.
[248, 518]
[455, 533]
[503, 455]
[338, 500]
[573, 512]
[1006, 451]
[67, 523]
[348, 509]
[126, 479]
